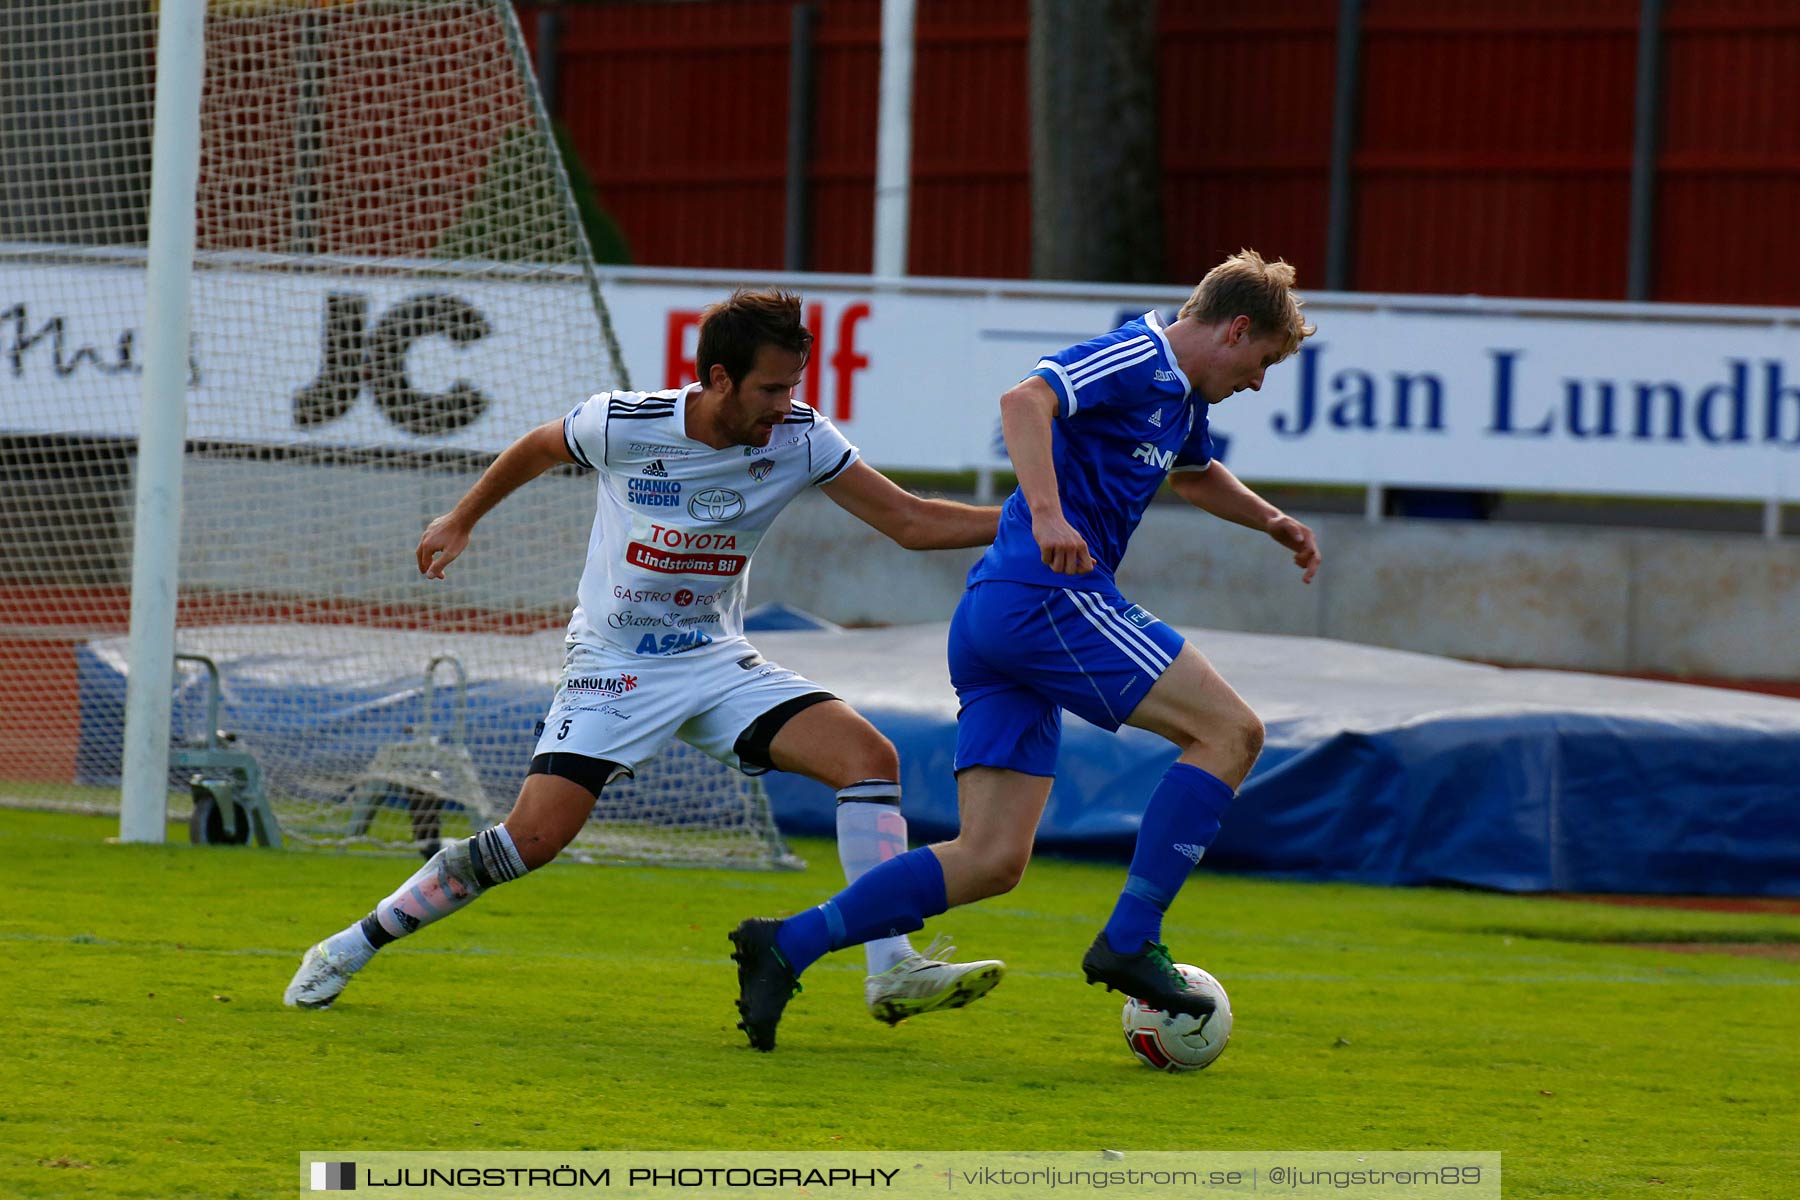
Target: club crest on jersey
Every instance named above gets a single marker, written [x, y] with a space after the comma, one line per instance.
[760, 469]
[1148, 452]
[716, 504]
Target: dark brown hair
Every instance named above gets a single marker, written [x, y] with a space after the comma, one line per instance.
[732, 331]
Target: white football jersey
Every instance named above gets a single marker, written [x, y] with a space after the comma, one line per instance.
[668, 560]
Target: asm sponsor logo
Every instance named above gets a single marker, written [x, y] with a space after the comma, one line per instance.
[1148, 452]
[1165, 376]
[665, 562]
[606, 685]
[672, 643]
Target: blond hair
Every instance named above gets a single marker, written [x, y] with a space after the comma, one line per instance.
[1245, 285]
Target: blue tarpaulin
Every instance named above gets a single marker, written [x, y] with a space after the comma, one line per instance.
[1379, 767]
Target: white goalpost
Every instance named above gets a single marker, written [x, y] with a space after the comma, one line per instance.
[162, 426]
[238, 384]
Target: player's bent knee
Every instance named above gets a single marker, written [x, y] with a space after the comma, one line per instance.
[554, 804]
[1251, 732]
[539, 842]
[877, 759]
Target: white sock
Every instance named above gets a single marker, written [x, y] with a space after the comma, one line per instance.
[870, 830]
[351, 947]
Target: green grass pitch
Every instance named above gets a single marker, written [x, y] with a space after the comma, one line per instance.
[144, 1051]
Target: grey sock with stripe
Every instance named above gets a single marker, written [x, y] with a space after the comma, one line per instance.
[870, 830]
[453, 878]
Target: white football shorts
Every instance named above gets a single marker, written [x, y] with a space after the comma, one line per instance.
[625, 707]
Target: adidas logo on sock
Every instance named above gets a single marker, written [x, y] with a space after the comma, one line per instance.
[655, 470]
[1192, 853]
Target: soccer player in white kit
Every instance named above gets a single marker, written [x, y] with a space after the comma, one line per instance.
[689, 481]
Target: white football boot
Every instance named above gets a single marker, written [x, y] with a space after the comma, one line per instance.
[922, 983]
[322, 975]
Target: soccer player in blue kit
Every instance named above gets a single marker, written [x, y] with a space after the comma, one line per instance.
[1042, 627]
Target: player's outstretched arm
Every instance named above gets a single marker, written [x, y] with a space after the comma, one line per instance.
[1217, 491]
[913, 521]
[1026, 411]
[520, 463]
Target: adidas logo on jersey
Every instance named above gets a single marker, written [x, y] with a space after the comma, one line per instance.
[1156, 418]
[656, 471]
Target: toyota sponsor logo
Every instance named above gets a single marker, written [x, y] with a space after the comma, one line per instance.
[716, 505]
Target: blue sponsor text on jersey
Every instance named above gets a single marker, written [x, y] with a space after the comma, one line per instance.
[654, 493]
[673, 643]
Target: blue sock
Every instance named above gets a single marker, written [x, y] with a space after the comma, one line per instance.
[892, 898]
[1180, 822]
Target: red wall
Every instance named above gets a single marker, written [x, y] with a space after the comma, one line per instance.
[1494, 147]
[1728, 176]
[1493, 144]
[1246, 131]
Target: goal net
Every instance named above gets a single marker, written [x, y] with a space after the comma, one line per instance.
[391, 283]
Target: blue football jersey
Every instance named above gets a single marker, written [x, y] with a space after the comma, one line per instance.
[1126, 417]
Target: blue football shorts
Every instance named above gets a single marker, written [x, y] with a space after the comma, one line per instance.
[1020, 653]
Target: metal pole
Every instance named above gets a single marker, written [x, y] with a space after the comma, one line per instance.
[1646, 139]
[156, 534]
[799, 144]
[1374, 501]
[984, 484]
[1346, 104]
[893, 149]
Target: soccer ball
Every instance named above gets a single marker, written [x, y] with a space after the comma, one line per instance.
[1176, 1041]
